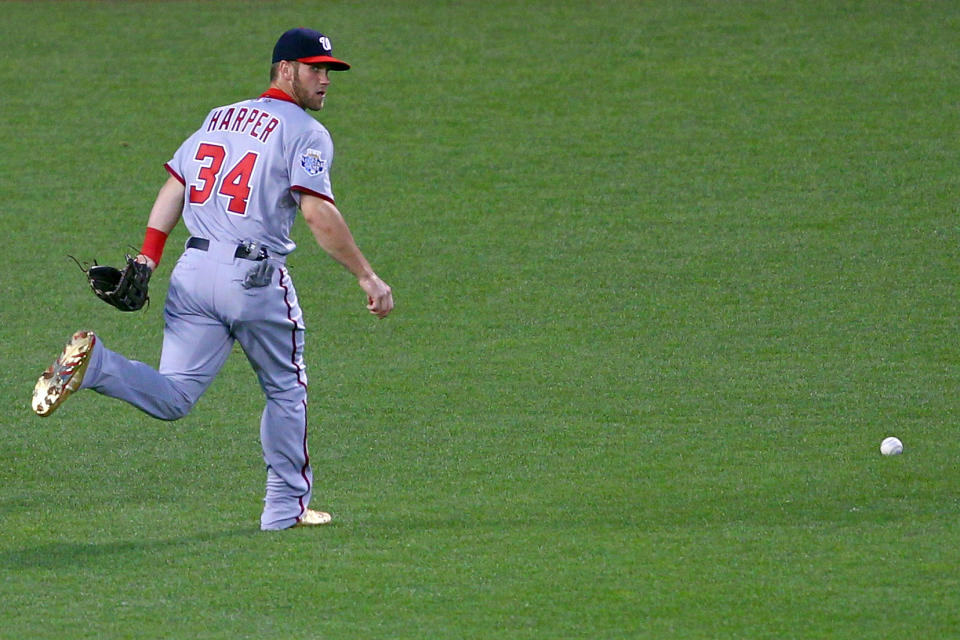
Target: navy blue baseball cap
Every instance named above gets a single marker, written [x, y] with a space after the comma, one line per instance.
[309, 46]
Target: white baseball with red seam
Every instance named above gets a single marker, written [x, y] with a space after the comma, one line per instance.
[891, 446]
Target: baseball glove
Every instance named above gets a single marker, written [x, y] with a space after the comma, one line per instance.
[124, 289]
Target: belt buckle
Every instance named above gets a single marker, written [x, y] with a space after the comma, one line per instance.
[253, 251]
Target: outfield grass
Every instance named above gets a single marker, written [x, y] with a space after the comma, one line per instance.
[666, 274]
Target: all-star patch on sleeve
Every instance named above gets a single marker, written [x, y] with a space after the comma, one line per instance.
[310, 164]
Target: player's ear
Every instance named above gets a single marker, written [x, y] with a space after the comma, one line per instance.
[288, 69]
[280, 71]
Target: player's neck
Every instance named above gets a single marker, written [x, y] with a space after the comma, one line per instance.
[277, 93]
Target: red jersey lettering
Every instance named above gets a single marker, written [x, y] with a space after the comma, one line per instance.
[208, 173]
[236, 184]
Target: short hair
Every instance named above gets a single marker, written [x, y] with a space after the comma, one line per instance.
[275, 68]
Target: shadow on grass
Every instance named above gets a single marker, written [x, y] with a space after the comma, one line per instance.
[59, 554]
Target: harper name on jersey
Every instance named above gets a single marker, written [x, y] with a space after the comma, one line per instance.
[246, 166]
[255, 122]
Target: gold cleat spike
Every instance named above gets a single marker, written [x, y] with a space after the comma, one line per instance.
[312, 518]
[64, 376]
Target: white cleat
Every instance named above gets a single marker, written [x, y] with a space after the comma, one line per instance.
[312, 518]
[64, 376]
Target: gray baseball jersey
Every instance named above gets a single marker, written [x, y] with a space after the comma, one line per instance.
[245, 167]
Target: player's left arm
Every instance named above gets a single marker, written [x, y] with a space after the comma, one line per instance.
[333, 235]
[164, 216]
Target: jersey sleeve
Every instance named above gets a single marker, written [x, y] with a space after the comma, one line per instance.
[175, 166]
[310, 164]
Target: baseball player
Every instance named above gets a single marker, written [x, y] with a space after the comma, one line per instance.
[237, 182]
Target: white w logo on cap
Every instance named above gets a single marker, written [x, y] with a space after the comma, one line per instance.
[325, 43]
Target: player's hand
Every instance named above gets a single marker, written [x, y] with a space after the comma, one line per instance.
[147, 261]
[379, 295]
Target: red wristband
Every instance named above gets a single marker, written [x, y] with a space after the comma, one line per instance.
[153, 244]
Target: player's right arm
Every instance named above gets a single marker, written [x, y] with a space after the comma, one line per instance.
[164, 216]
[333, 235]
[168, 206]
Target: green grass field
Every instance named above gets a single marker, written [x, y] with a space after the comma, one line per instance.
[666, 274]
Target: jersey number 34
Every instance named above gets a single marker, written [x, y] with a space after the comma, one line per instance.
[234, 185]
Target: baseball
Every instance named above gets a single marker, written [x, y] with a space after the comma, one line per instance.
[891, 446]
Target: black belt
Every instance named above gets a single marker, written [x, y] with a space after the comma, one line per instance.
[247, 250]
